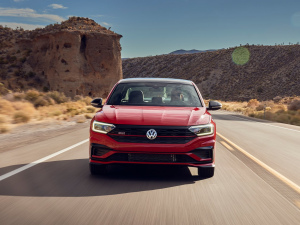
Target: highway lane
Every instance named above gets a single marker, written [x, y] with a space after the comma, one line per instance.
[277, 145]
[60, 190]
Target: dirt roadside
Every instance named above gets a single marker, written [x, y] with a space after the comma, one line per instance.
[34, 132]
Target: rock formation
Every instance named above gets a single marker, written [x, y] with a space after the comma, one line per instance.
[77, 57]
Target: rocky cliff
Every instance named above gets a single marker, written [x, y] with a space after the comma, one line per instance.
[261, 72]
[77, 57]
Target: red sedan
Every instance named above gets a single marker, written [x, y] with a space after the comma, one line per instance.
[153, 121]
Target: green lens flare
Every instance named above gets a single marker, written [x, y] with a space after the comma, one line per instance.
[240, 56]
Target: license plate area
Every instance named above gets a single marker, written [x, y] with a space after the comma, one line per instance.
[137, 157]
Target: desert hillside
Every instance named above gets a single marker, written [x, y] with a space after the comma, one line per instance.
[77, 57]
[242, 73]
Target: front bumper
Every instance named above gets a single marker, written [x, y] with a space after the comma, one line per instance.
[199, 152]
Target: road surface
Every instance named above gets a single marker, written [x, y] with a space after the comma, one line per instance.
[256, 181]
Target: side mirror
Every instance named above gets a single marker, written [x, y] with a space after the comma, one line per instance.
[97, 102]
[214, 105]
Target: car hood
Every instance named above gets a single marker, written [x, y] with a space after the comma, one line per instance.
[153, 115]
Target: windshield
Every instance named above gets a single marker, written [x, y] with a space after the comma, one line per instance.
[155, 94]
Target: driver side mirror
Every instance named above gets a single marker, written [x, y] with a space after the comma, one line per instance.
[214, 105]
[97, 102]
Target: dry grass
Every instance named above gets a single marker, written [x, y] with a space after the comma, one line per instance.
[32, 105]
[282, 110]
[21, 117]
[4, 128]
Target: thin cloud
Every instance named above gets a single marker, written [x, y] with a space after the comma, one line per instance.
[29, 13]
[18, 0]
[97, 15]
[105, 24]
[25, 26]
[57, 6]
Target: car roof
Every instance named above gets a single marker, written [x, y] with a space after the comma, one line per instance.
[160, 80]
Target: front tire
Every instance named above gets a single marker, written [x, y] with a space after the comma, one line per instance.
[98, 169]
[206, 172]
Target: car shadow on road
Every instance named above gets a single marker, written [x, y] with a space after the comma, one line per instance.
[71, 178]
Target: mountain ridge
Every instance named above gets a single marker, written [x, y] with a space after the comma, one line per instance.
[271, 71]
[192, 51]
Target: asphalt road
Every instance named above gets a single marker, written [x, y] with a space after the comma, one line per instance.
[256, 181]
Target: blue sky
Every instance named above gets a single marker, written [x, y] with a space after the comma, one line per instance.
[161, 26]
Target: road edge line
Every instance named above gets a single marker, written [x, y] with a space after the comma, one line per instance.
[16, 171]
[285, 180]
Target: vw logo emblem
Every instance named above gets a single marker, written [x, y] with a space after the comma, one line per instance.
[151, 134]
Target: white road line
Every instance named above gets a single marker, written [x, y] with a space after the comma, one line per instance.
[9, 174]
[240, 117]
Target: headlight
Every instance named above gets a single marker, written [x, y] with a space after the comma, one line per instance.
[202, 130]
[102, 127]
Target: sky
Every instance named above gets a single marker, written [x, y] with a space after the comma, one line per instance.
[156, 27]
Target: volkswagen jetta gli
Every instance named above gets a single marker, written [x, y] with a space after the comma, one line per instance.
[153, 121]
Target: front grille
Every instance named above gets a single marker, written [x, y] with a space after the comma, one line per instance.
[165, 134]
[158, 140]
[161, 130]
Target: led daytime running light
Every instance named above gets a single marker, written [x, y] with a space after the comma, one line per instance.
[202, 130]
[103, 128]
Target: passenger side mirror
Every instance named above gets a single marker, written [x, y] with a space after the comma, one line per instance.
[214, 105]
[97, 102]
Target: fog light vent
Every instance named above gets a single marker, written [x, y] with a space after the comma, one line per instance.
[99, 151]
[204, 152]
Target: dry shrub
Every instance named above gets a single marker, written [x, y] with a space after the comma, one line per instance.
[88, 116]
[6, 107]
[253, 103]
[294, 105]
[40, 101]
[43, 101]
[260, 107]
[25, 107]
[295, 120]
[4, 128]
[3, 89]
[56, 112]
[32, 95]
[21, 117]
[58, 97]
[238, 109]
[90, 109]
[276, 108]
[274, 111]
[87, 100]
[52, 110]
[75, 108]
[277, 99]
[64, 117]
[227, 107]
[248, 111]
[78, 97]
[19, 96]
[281, 118]
[9, 97]
[2, 119]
